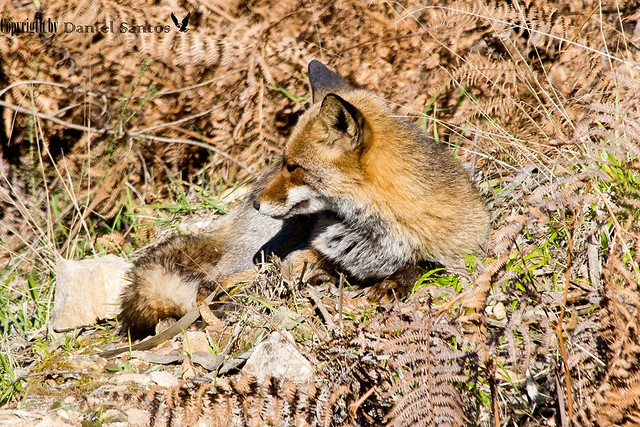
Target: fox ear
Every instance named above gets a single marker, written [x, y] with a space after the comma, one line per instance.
[324, 81]
[341, 116]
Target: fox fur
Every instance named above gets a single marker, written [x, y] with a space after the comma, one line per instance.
[357, 190]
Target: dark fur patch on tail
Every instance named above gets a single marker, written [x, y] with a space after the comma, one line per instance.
[163, 282]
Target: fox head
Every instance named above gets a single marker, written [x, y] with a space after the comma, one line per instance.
[325, 144]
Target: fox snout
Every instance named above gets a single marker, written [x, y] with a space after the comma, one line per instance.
[287, 195]
[296, 201]
[300, 205]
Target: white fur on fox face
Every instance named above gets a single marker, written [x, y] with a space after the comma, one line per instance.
[300, 201]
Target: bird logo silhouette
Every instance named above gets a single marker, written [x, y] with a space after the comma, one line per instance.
[182, 26]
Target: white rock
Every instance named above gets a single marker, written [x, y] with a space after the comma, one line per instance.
[87, 290]
[163, 378]
[138, 417]
[52, 421]
[277, 356]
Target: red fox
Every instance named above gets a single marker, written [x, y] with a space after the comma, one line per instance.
[357, 191]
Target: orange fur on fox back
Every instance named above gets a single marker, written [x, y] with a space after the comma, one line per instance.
[398, 196]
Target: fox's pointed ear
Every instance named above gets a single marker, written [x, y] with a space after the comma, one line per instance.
[342, 117]
[324, 81]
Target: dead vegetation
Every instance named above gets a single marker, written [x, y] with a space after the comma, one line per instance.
[539, 98]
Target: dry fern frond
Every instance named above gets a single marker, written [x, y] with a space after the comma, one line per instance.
[240, 401]
[428, 373]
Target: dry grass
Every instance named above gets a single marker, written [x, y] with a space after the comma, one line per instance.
[538, 98]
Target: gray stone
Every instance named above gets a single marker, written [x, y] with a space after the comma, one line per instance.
[277, 356]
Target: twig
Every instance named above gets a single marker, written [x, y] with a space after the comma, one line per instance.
[559, 328]
[52, 118]
[181, 120]
[354, 406]
[190, 142]
[561, 398]
[304, 270]
[31, 82]
[491, 368]
[340, 299]
[315, 296]
[217, 9]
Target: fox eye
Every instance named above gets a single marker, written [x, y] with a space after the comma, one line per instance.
[292, 168]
